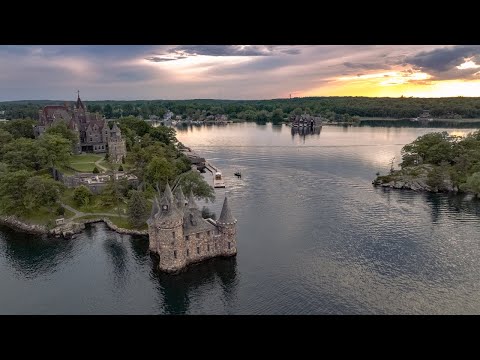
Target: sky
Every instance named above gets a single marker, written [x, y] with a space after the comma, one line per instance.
[130, 72]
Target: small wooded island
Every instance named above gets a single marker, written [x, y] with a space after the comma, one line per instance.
[438, 162]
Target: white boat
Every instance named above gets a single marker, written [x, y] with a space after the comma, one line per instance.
[218, 180]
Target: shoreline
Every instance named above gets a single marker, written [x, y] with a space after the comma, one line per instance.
[66, 231]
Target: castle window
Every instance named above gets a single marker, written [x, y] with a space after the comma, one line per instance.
[229, 246]
[175, 254]
[197, 235]
[173, 234]
[208, 247]
[208, 232]
[186, 237]
[90, 139]
[198, 250]
[187, 252]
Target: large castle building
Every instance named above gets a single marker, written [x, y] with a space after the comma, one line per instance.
[179, 234]
[93, 131]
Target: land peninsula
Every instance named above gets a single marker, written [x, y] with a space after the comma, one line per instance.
[49, 185]
[438, 162]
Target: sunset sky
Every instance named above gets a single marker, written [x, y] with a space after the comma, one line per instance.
[237, 71]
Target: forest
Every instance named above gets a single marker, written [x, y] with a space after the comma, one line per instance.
[275, 110]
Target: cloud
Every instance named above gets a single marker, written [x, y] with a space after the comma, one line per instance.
[443, 60]
[233, 50]
[366, 66]
[162, 59]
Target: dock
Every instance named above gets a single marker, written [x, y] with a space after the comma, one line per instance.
[201, 163]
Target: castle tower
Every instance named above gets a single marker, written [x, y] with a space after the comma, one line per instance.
[228, 230]
[165, 230]
[116, 144]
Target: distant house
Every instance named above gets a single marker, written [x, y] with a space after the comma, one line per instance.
[168, 115]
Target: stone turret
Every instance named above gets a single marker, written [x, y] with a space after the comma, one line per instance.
[179, 234]
[166, 232]
[227, 228]
[117, 148]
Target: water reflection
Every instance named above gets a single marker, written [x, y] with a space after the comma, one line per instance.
[33, 256]
[305, 131]
[177, 289]
[118, 255]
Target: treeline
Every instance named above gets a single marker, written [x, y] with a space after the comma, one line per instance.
[332, 108]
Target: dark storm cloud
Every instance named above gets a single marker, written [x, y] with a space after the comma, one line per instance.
[443, 59]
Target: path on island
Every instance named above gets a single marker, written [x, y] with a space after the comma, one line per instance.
[81, 213]
[97, 164]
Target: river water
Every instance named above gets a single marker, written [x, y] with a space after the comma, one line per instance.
[314, 237]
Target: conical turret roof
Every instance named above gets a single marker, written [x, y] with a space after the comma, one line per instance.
[191, 201]
[180, 197]
[226, 216]
[167, 194]
[155, 209]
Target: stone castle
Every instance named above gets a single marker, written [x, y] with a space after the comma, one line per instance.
[179, 234]
[93, 131]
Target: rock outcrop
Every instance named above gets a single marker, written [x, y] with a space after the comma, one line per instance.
[414, 178]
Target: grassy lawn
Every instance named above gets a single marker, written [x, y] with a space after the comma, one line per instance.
[44, 217]
[95, 207]
[84, 162]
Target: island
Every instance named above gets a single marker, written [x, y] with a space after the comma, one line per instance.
[72, 166]
[437, 162]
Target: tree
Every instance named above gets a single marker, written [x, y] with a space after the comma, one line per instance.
[43, 191]
[192, 180]
[107, 157]
[60, 128]
[82, 195]
[108, 111]
[277, 116]
[12, 192]
[137, 208]
[472, 184]
[262, 116]
[163, 134]
[58, 149]
[21, 128]
[95, 170]
[159, 170]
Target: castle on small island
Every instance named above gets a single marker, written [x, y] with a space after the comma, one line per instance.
[93, 131]
[179, 234]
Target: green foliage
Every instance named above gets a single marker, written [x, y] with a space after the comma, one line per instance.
[159, 170]
[277, 116]
[13, 199]
[82, 195]
[24, 154]
[192, 180]
[137, 208]
[432, 148]
[107, 156]
[20, 128]
[95, 170]
[60, 211]
[472, 184]
[58, 149]
[435, 178]
[42, 191]
[60, 128]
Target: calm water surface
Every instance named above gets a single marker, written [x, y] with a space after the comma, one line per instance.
[314, 237]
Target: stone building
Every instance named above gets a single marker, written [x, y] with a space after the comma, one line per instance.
[93, 131]
[117, 148]
[179, 234]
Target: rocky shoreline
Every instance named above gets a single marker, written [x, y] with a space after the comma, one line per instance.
[67, 230]
[414, 178]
